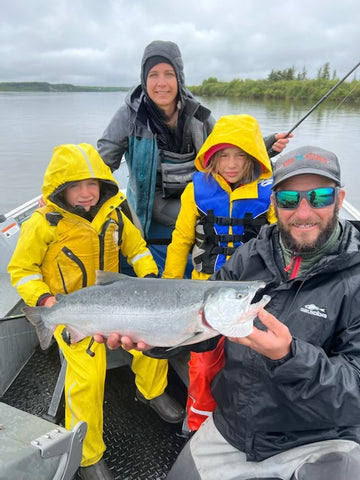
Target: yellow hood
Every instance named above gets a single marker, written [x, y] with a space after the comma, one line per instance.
[72, 163]
[244, 132]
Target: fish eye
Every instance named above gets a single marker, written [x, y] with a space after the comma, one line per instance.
[239, 295]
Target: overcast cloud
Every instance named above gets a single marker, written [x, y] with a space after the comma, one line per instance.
[100, 42]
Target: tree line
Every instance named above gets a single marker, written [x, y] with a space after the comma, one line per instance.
[284, 85]
[53, 87]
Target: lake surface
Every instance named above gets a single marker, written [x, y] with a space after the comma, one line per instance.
[32, 124]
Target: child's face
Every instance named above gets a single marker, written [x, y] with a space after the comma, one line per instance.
[85, 193]
[231, 163]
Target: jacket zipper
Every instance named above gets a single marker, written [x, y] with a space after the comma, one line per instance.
[79, 263]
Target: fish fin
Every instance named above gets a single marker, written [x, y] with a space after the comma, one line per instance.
[33, 314]
[189, 340]
[75, 335]
[165, 352]
[104, 277]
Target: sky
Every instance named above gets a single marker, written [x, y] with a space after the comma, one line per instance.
[101, 42]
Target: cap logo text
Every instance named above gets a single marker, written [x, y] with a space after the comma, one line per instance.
[307, 156]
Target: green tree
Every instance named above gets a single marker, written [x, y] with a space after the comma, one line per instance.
[324, 72]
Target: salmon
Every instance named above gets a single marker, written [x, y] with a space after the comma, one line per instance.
[159, 312]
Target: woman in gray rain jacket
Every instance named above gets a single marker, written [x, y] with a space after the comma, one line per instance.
[159, 150]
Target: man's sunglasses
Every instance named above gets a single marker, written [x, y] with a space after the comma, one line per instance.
[317, 197]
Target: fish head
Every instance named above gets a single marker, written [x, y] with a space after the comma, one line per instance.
[230, 310]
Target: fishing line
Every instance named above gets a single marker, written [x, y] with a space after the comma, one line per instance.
[348, 95]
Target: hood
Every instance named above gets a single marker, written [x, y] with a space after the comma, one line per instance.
[72, 163]
[171, 52]
[244, 132]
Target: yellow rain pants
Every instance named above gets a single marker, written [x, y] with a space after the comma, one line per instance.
[150, 374]
[84, 393]
[84, 388]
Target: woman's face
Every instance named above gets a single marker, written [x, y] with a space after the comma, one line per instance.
[162, 86]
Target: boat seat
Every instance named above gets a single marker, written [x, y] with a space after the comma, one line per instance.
[37, 448]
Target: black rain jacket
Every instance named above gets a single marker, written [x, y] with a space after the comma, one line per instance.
[266, 407]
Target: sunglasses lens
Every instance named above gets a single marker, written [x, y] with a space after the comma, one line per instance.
[321, 197]
[287, 199]
[317, 198]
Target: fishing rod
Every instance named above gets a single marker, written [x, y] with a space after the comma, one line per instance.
[321, 100]
[12, 317]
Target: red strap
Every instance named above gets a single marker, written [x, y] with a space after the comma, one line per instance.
[295, 268]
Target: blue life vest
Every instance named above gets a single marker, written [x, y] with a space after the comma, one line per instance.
[212, 235]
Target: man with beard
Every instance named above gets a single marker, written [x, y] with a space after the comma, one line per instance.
[288, 397]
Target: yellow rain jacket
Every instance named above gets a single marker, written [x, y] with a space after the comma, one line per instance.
[59, 250]
[244, 132]
[67, 248]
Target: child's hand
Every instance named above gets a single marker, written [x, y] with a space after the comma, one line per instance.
[42, 201]
[49, 302]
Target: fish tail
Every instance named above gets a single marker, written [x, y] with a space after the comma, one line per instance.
[33, 314]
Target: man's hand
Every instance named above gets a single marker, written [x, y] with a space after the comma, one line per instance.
[115, 340]
[275, 343]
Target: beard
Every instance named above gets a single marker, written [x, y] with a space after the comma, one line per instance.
[308, 246]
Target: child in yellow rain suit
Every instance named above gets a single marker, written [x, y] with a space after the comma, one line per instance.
[82, 229]
[225, 205]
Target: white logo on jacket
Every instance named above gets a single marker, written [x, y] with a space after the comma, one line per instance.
[312, 309]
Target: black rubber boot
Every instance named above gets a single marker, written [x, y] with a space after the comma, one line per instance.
[166, 407]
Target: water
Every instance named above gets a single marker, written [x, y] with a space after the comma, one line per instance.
[32, 124]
